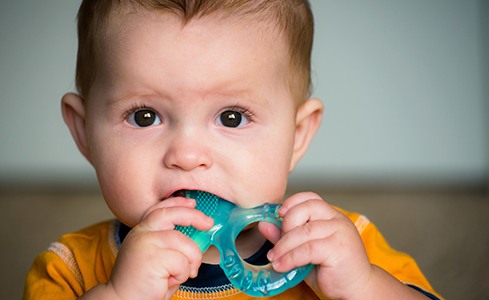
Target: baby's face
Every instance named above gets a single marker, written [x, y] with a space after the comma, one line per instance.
[203, 106]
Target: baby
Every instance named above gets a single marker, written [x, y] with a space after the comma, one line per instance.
[213, 96]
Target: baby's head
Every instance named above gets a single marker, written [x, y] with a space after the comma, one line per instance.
[291, 19]
[192, 95]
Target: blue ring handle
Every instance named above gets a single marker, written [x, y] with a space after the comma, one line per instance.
[229, 221]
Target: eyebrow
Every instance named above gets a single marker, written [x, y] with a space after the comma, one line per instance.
[118, 97]
[247, 95]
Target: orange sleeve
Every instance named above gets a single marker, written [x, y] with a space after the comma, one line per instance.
[51, 278]
[73, 265]
[398, 264]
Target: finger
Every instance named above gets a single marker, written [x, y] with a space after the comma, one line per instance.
[156, 243]
[171, 202]
[270, 231]
[315, 230]
[312, 252]
[306, 211]
[177, 269]
[295, 200]
[168, 218]
[183, 244]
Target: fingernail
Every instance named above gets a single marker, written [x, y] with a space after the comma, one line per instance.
[275, 265]
[282, 211]
[270, 255]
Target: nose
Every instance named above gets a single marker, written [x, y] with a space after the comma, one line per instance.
[187, 152]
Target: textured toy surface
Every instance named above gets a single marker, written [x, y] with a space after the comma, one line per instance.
[229, 221]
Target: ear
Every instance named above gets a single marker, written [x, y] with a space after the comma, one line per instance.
[73, 109]
[308, 119]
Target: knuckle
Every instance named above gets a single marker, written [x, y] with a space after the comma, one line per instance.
[308, 229]
[308, 249]
[311, 196]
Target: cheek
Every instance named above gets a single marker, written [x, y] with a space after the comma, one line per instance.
[125, 177]
[268, 167]
[127, 190]
[279, 147]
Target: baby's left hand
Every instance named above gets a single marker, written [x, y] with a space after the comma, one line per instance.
[313, 232]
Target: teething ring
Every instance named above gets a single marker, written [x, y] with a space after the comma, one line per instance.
[229, 221]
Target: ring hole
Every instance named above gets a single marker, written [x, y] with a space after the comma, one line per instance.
[253, 245]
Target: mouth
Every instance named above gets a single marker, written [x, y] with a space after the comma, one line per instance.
[179, 193]
[194, 194]
[187, 193]
[200, 195]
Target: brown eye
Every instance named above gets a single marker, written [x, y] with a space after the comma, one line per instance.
[143, 118]
[231, 118]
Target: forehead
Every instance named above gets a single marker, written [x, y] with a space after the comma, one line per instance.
[123, 21]
[142, 42]
[124, 15]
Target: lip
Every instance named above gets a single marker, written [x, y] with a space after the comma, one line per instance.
[174, 193]
[180, 192]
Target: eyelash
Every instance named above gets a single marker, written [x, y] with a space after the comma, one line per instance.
[241, 109]
[135, 108]
[237, 107]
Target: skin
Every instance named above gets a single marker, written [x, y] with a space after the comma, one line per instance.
[186, 77]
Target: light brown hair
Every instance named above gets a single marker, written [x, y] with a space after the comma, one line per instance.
[293, 18]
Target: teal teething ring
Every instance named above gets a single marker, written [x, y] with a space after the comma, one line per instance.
[229, 221]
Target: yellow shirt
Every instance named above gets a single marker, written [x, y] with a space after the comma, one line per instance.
[79, 261]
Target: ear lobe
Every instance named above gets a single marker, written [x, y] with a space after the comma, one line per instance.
[73, 110]
[308, 119]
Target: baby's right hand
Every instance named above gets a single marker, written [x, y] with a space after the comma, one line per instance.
[154, 259]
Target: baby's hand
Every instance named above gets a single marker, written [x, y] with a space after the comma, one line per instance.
[313, 232]
[154, 259]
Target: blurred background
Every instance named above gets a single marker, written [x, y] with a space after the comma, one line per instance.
[405, 137]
